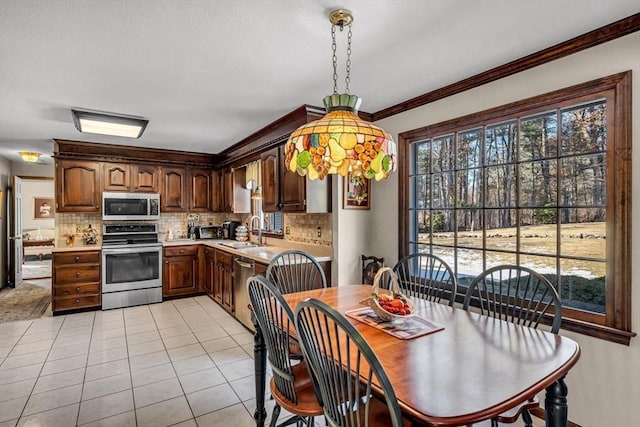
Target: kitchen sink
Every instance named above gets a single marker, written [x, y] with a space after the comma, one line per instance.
[238, 245]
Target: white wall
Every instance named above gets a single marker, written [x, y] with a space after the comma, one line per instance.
[22, 168]
[604, 386]
[32, 188]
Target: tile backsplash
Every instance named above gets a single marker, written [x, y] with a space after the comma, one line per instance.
[314, 229]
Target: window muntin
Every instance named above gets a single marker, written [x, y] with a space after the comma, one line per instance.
[558, 157]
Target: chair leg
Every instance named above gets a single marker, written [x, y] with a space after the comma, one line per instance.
[274, 415]
[526, 417]
[494, 423]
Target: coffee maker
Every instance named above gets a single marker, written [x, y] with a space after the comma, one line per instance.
[229, 229]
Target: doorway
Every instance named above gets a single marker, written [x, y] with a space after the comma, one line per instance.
[34, 227]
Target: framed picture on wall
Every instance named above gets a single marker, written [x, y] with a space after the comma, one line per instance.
[357, 192]
[43, 207]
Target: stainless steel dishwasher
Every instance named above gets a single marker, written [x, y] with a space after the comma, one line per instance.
[243, 269]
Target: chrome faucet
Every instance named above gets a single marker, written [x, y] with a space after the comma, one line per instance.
[259, 227]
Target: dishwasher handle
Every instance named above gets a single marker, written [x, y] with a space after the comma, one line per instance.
[244, 263]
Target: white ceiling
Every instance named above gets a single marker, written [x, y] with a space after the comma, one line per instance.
[209, 73]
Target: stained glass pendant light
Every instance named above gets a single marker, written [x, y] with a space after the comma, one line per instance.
[341, 142]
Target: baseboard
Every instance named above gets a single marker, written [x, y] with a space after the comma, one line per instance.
[539, 413]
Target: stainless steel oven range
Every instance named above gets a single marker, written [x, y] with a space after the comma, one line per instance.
[131, 265]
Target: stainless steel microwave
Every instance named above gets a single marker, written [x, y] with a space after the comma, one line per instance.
[130, 206]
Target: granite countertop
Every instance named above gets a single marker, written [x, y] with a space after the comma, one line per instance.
[76, 248]
[263, 254]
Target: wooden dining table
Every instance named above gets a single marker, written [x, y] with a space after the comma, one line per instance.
[474, 369]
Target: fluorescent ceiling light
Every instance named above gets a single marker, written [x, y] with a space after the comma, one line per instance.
[109, 124]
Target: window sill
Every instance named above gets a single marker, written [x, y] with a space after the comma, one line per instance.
[272, 234]
[598, 331]
[591, 329]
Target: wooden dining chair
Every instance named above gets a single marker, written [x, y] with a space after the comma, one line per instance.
[370, 266]
[291, 385]
[519, 295]
[345, 368]
[294, 271]
[427, 277]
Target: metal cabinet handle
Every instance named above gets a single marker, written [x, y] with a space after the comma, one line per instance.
[78, 289]
[77, 274]
[181, 251]
[77, 301]
[77, 258]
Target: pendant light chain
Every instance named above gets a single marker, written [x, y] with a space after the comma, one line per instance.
[348, 78]
[335, 59]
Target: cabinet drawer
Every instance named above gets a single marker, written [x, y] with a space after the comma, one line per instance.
[69, 303]
[69, 274]
[76, 290]
[76, 258]
[224, 257]
[181, 251]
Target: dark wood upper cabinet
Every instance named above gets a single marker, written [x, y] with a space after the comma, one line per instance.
[78, 186]
[283, 190]
[293, 190]
[270, 180]
[144, 178]
[116, 177]
[130, 177]
[174, 196]
[201, 183]
[222, 190]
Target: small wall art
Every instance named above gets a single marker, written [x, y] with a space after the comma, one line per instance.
[357, 192]
[43, 207]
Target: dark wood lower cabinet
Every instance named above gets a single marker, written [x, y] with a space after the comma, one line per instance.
[223, 285]
[181, 271]
[75, 280]
[209, 279]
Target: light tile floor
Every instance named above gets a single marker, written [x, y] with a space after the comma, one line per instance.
[182, 362]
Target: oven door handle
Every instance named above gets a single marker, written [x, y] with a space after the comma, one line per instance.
[244, 263]
[130, 250]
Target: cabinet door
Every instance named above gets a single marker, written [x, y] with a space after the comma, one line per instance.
[209, 270]
[260, 269]
[78, 186]
[227, 192]
[200, 200]
[180, 275]
[144, 178]
[173, 195]
[227, 287]
[116, 177]
[270, 181]
[223, 288]
[292, 189]
[217, 190]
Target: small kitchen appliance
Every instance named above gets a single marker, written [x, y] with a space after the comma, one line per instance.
[229, 229]
[209, 232]
[130, 206]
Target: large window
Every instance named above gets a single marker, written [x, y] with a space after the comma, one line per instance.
[544, 183]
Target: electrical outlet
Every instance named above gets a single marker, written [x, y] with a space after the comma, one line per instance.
[287, 230]
[319, 232]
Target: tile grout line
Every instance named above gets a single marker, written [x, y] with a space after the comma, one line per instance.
[41, 369]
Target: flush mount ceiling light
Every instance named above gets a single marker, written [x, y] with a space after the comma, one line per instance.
[109, 124]
[341, 142]
[29, 156]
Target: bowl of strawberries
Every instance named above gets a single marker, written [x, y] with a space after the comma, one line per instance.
[390, 304]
